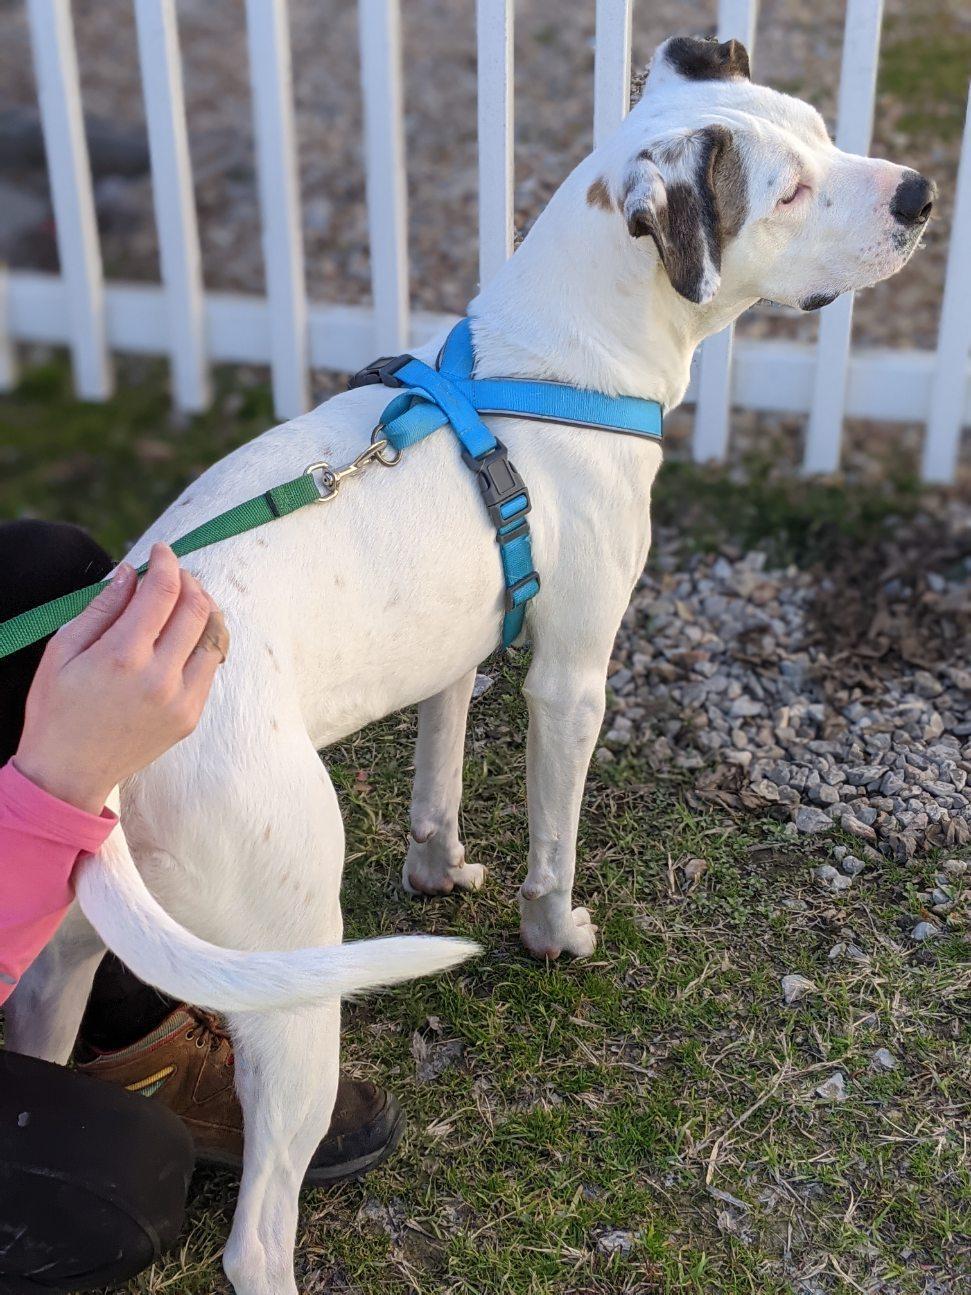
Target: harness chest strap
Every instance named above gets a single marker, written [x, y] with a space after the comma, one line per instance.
[434, 398]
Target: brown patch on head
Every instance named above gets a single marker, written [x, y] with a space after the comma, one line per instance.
[598, 195]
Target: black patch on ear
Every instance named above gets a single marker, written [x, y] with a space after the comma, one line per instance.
[684, 245]
[699, 59]
[818, 300]
[722, 188]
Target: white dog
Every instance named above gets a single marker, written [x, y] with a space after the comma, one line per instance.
[713, 193]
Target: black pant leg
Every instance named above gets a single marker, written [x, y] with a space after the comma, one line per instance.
[122, 1008]
[92, 1179]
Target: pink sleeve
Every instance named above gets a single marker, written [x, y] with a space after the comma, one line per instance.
[40, 840]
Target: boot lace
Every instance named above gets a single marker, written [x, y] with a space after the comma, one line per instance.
[209, 1031]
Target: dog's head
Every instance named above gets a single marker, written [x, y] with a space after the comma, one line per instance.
[744, 194]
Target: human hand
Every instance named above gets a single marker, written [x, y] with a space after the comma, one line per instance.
[122, 682]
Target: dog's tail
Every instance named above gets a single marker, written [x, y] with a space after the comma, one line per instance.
[120, 907]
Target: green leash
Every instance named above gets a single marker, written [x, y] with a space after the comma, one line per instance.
[318, 484]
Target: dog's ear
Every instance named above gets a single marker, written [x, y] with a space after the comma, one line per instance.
[698, 59]
[687, 192]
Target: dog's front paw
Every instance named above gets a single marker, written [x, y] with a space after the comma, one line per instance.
[578, 936]
[428, 870]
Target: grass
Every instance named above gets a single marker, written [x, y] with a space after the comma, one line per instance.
[795, 519]
[642, 1122]
[642, 1092]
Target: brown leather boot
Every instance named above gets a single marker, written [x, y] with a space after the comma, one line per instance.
[187, 1063]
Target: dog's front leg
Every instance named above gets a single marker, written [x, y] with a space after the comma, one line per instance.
[566, 706]
[45, 1011]
[435, 862]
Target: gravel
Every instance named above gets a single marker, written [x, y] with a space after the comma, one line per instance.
[727, 668]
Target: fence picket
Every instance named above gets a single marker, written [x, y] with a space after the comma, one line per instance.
[175, 211]
[494, 41]
[8, 356]
[611, 66]
[857, 98]
[736, 20]
[950, 387]
[55, 61]
[268, 31]
[384, 157]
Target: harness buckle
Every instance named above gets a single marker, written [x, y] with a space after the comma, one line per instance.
[379, 372]
[503, 492]
[532, 577]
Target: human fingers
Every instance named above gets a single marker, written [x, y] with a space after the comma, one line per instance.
[186, 625]
[151, 606]
[99, 615]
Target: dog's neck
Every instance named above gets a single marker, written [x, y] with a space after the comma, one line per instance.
[582, 302]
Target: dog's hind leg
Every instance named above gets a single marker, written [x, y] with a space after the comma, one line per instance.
[286, 1077]
[286, 1061]
[435, 862]
[44, 1012]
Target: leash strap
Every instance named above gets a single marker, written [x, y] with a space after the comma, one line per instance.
[31, 626]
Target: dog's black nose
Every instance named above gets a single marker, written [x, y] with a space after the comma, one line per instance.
[912, 202]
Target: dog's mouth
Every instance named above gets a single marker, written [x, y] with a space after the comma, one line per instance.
[815, 301]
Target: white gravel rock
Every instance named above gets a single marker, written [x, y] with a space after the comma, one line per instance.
[883, 1059]
[851, 865]
[925, 931]
[796, 987]
[828, 877]
[833, 1088]
[810, 820]
[616, 1242]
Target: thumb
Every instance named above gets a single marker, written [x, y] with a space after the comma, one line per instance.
[78, 634]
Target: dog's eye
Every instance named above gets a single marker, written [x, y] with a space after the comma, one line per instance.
[797, 192]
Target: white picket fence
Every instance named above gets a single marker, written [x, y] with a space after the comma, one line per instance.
[827, 380]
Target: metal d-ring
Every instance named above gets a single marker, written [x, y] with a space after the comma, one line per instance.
[379, 443]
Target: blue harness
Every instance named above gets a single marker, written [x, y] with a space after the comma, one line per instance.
[449, 395]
